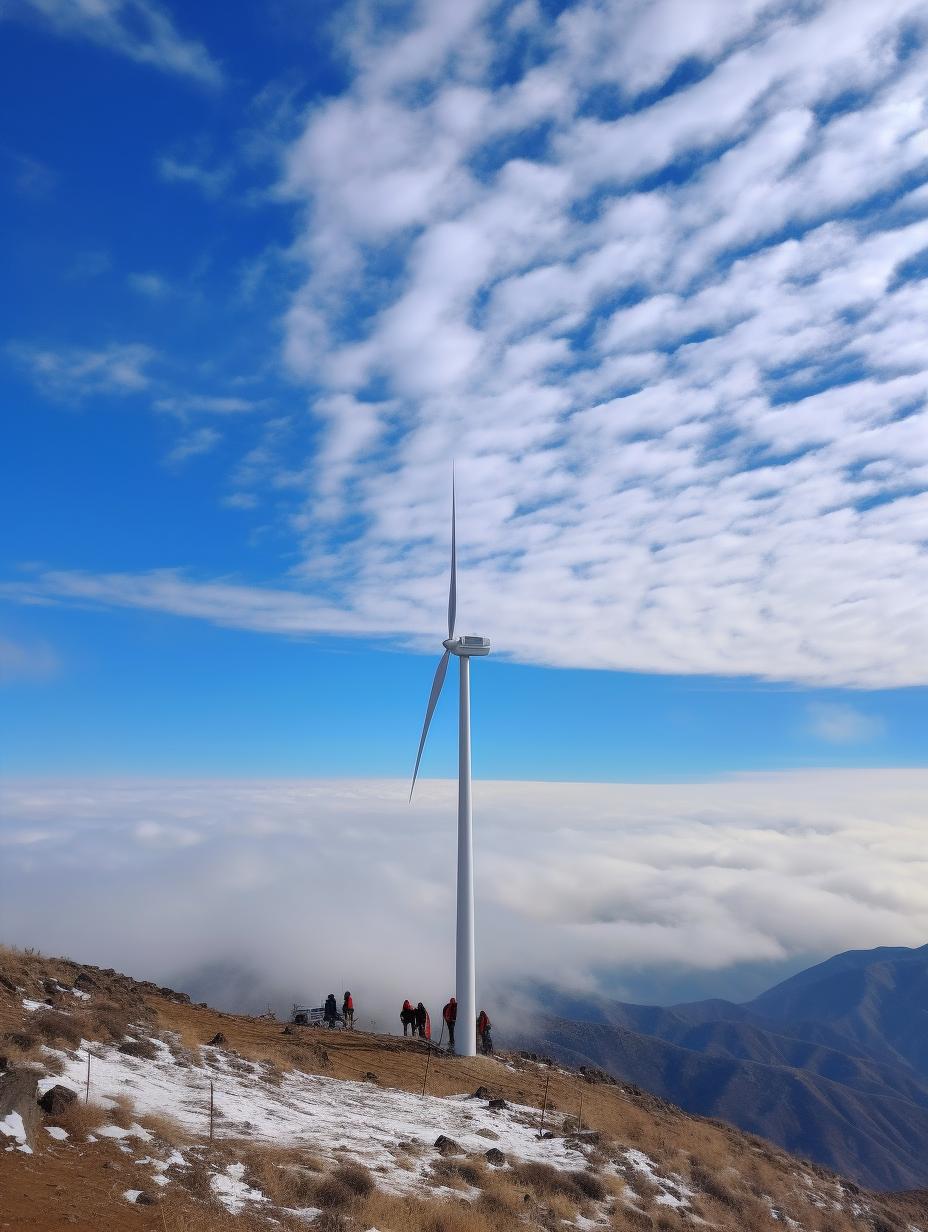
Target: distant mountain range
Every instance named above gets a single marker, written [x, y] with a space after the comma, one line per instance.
[831, 1064]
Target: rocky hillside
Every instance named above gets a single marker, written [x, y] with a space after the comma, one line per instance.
[196, 1120]
[831, 1064]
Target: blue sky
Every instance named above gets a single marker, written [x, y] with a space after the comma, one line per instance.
[268, 276]
[651, 275]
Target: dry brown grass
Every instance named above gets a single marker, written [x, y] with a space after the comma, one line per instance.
[166, 1129]
[80, 1119]
[54, 1028]
[390, 1213]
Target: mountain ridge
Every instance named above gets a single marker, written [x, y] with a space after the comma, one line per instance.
[831, 1063]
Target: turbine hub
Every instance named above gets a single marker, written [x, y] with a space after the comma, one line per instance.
[468, 646]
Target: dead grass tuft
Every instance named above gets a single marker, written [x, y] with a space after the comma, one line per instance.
[332, 1194]
[355, 1177]
[80, 1119]
[55, 1028]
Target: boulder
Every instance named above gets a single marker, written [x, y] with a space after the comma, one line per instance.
[447, 1146]
[218, 1040]
[17, 1099]
[145, 1199]
[497, 1105]
[370, 1076]
[495, 1157]
[56, 1099]
[481, 1093]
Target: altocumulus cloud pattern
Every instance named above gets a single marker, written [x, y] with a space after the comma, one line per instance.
[653, 274]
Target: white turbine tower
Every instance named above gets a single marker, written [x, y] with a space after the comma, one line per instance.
[465, 648]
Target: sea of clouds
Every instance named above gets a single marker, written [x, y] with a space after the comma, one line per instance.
[249, 892]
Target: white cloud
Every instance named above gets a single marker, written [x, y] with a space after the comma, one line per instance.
[577, 883]
[839, 723]
[211, 404]
[152, 286]
[670, 396]
[211, 181]
[663, 333]
[193, 444]
[138, 29]
[75, 373]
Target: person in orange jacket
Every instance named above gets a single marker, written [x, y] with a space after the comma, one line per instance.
[483, 1032]
[408, 1016]
[450, 1015]
[348, 1012]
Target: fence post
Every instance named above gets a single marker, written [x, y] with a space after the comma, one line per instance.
[211, 1113]
[87, 1088]
[580, 1115]
[427, 1065]
[544, 1106]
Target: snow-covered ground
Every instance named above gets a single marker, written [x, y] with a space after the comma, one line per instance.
[335, 1119]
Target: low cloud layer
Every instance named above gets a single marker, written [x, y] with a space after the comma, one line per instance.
[305, 887]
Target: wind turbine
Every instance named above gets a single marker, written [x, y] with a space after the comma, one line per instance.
[465, 648]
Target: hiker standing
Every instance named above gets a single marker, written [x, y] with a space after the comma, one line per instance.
[423, 1026]
[450, 1015]
[483, 1033]
[348, 1011]
[330, 1012]
[408, 1017]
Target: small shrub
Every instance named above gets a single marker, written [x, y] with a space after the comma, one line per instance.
[143, 1049]
[54, 1028]
[331, 1194]
[587, 1185]
[354, 1177]
[80, 1119]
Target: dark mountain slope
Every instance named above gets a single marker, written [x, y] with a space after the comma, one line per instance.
[832, 1063]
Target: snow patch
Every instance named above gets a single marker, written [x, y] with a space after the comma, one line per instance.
[12, 1127]
[132, 1195]
[338, 1119]
[232, 1191]
[56, 1132]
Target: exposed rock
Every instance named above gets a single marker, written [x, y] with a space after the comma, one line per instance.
[56, 1099]
[145, 1199]
[17, 1094]
[370, 1076]
[7, 984]
[495, 1157]
[481, 1093]
[84, 981]
[447, 1146]
[218, 1040]
[497, 1104]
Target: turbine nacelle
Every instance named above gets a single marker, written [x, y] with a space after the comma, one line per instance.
[468, 646]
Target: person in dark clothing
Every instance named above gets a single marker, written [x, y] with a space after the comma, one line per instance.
[330, 1011]
[348, 1012]
[408, 1017]
[483, 1033]
[450, 1015]
[422, 1021]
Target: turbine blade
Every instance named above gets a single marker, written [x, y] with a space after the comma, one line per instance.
[430, 710]
[453, 589]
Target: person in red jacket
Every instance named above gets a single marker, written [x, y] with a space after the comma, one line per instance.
[348, 1012]
[450, 1015]
[483, 1032]
[408, 1016]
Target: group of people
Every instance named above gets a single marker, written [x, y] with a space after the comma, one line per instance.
[484, 1040]
[416, 1021]
[330, 1011]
